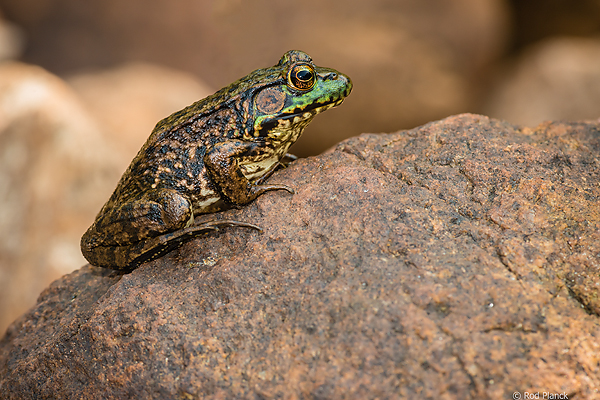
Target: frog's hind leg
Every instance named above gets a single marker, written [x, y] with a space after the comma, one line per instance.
[117, 229]
[156, 247]
[137, 231]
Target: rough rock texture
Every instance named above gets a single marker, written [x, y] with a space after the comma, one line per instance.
[458, 260]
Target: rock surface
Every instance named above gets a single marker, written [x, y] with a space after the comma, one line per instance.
[457, 260]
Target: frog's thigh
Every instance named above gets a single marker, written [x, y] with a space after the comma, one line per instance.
[157, 212]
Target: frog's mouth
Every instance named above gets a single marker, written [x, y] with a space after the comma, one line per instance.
[320, 107]
[296, 116]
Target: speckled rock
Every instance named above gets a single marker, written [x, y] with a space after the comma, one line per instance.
[457, 260]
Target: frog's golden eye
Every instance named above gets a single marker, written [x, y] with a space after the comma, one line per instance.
[302, 77]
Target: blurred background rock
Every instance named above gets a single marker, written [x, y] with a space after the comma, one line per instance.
[83, 83]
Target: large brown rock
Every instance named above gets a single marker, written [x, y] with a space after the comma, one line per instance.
[458, 260]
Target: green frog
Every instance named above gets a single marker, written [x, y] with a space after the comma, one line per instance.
[210, 156]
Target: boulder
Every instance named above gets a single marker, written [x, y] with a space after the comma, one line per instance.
[457, 260]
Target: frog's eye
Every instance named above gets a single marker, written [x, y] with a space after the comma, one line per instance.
[301, 77]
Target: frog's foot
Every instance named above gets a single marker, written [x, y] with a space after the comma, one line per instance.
[156, 247]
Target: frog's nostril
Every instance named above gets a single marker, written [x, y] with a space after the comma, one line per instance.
[333, 76]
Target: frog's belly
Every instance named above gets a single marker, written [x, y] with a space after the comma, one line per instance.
[256, 169]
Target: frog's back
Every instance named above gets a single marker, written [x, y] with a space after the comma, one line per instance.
[209, 112]
[173, 154]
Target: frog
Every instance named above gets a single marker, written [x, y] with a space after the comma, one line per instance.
[211, 156]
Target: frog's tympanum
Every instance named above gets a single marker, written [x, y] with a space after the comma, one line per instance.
[207, 157]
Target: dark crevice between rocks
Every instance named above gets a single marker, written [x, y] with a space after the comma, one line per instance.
[580, 299]
[352, 151]
[502, 258]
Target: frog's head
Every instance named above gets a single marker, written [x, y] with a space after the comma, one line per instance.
[295, 91]
[272, 105]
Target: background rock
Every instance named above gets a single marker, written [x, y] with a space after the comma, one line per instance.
[11, 40]
[128, 101]
[458, 260]
[410, 61]
[556, 79]
[537, 20]
[53, 164]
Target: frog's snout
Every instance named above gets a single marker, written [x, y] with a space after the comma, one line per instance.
[347, 82]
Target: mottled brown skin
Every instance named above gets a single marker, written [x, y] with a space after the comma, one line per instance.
[207, 157]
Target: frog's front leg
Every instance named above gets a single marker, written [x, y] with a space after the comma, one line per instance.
[111, 241]
[221, 162]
